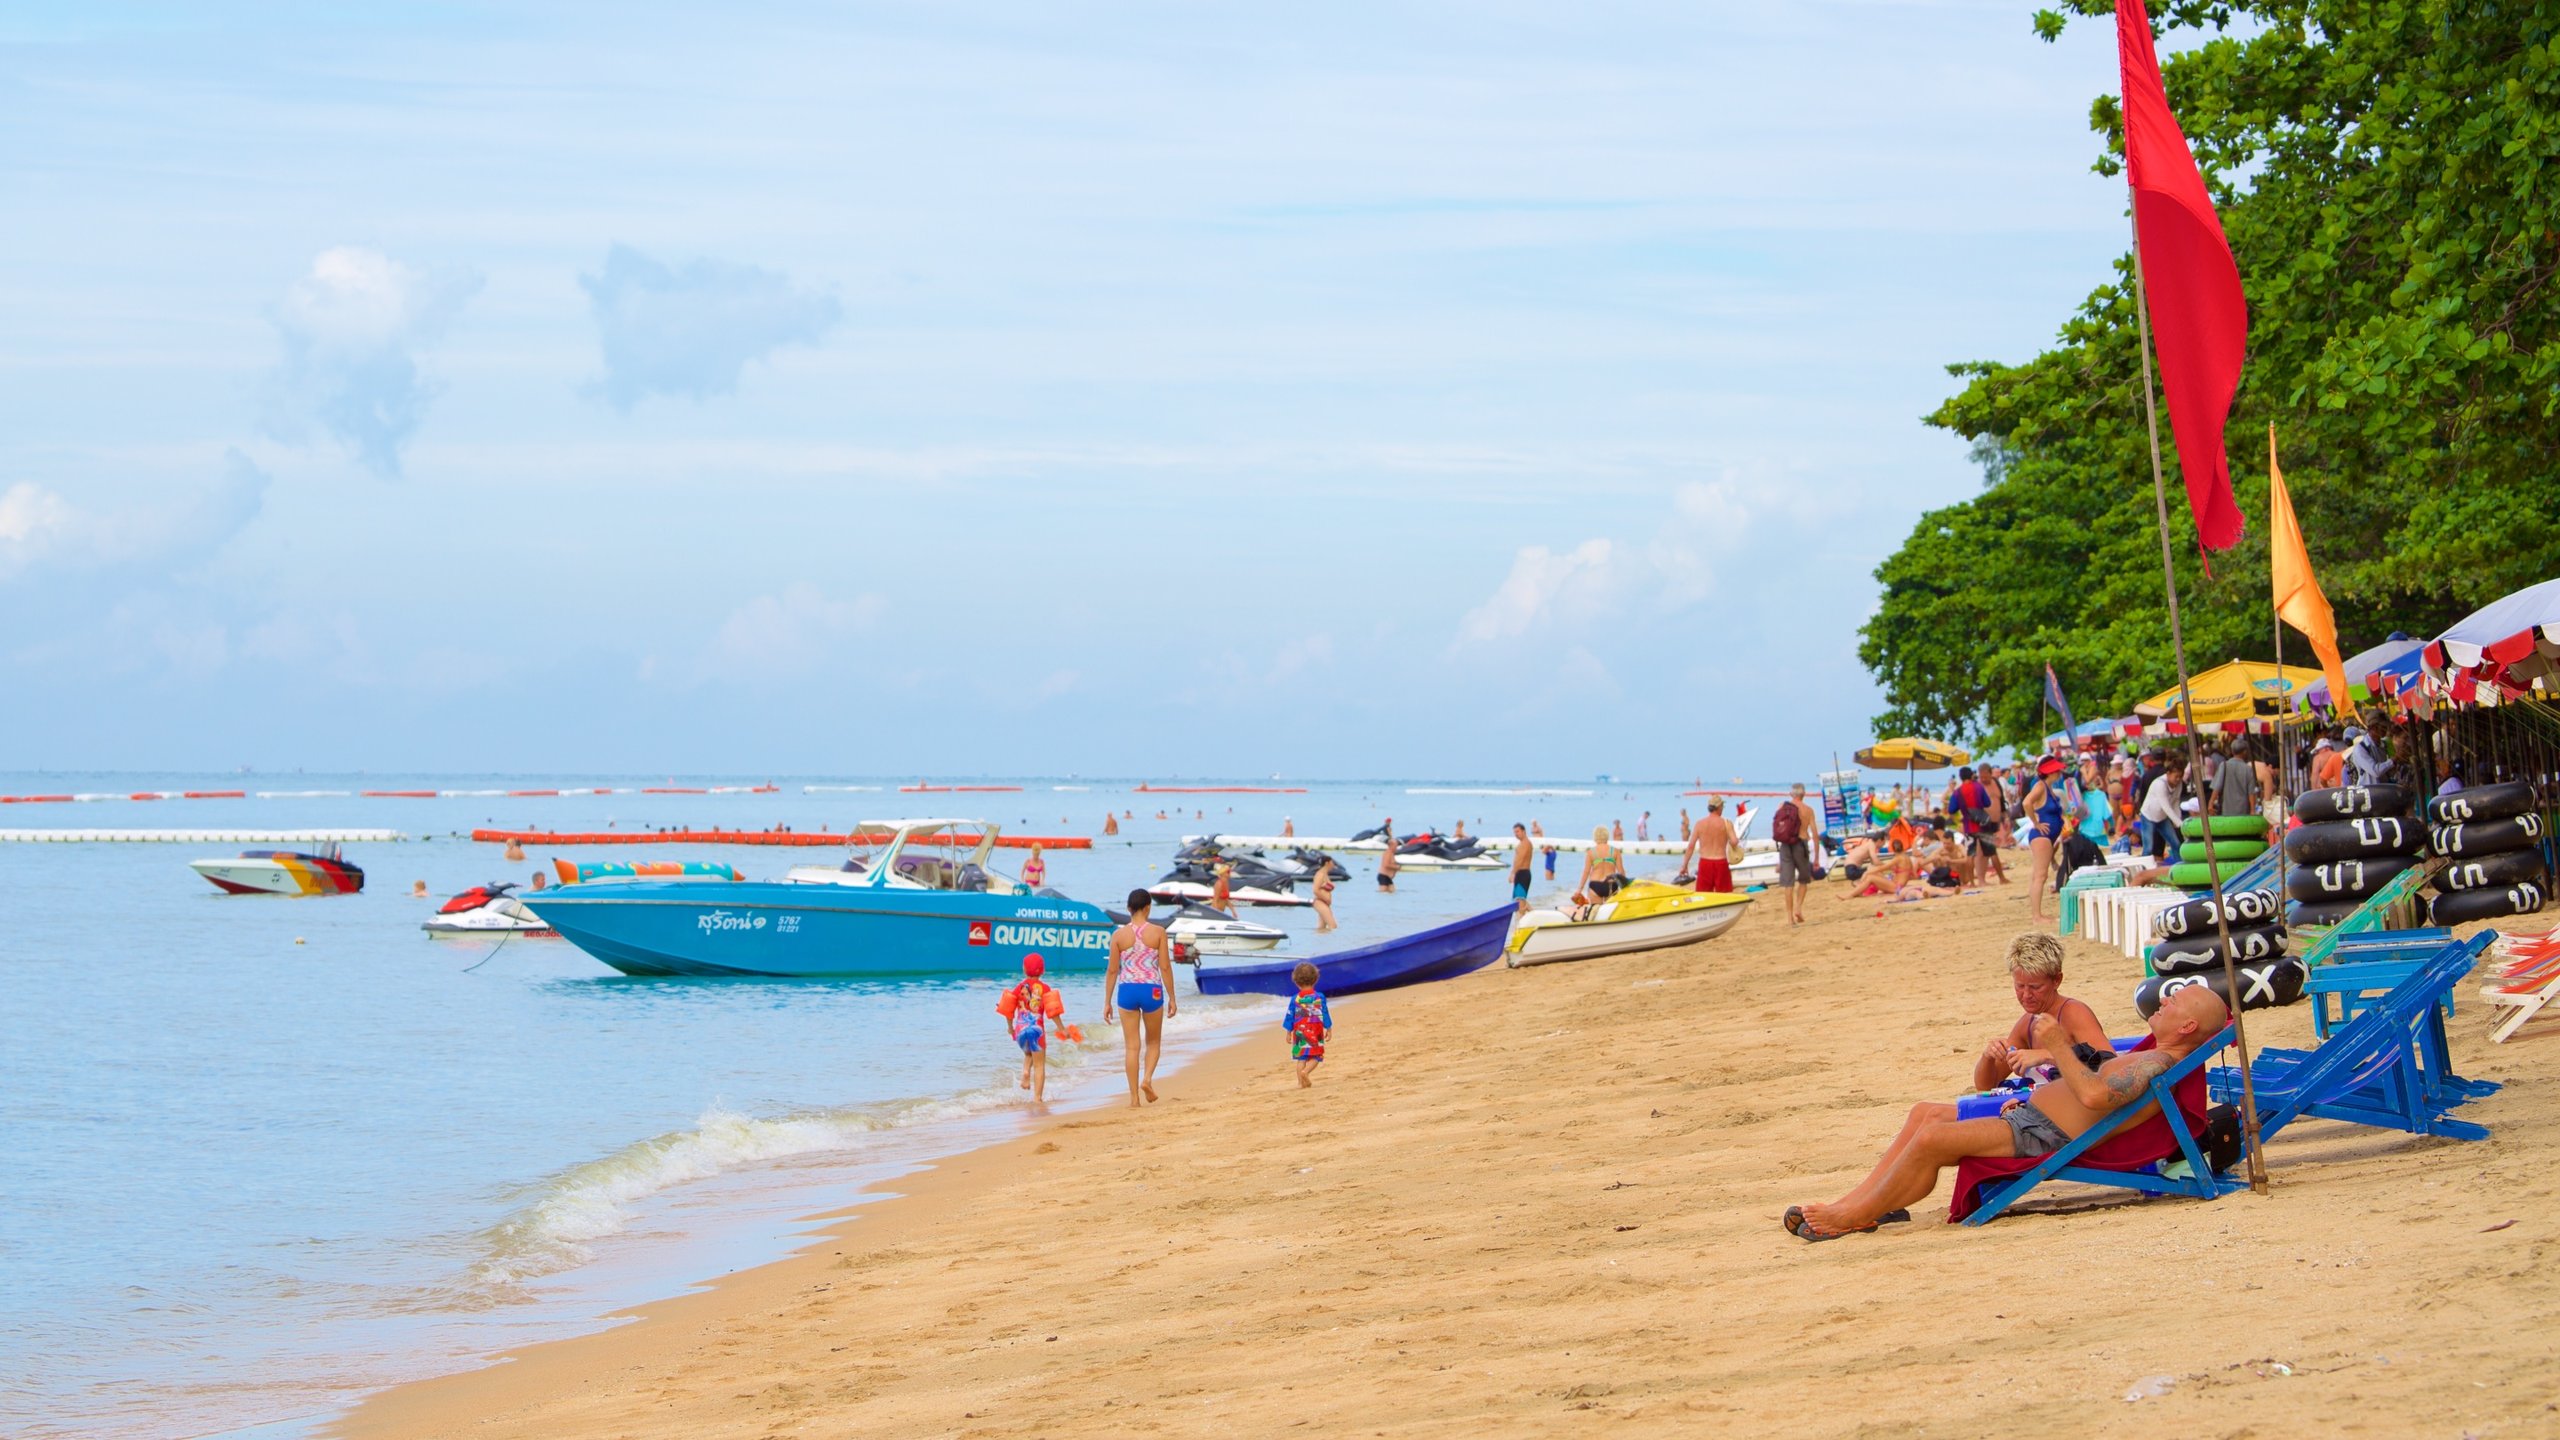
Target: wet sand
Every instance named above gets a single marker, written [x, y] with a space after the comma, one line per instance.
[1524, 1203]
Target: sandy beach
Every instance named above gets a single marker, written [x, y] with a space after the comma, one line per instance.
[1527, 1202]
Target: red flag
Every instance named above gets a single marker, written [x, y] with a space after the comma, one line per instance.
[2199, 319]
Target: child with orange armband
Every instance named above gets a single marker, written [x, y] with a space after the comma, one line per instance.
[1028, 1009]
[1309, 1022]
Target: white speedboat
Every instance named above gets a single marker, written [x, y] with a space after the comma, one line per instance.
[487, 910]
[282, 872]
[1194, 893]
[1214, 932]
[1646, 915]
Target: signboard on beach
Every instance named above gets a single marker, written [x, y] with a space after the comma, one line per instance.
[1843, 802]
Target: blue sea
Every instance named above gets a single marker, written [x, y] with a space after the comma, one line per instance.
[260, 1156]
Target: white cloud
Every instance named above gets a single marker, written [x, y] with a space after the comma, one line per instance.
[1545, 587]
[693, 330]
[350, 326]
[39, 529]
[789, 633]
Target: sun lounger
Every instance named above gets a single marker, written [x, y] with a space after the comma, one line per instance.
[2129, 1157]
[2524, 995]
[2386, 1067]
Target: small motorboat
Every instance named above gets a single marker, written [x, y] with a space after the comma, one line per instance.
[1646, 915]
[487, 910]
[1435, 954]
[1215, 932]
[282, 872]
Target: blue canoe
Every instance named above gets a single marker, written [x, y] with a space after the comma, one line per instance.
[1437, 954]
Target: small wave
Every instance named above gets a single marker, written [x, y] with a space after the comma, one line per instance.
[556, 1228]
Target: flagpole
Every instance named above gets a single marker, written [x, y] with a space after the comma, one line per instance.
[2257, 1163]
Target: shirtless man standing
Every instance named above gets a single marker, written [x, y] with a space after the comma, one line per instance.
[1710, 842]
[1524, 858]
[2052, 1116]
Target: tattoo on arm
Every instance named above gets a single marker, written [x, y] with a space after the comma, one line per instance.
[2134, 1076]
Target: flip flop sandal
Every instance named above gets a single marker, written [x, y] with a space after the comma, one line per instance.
[1812, 1236]
[1794, 1220]
[1894, 1217]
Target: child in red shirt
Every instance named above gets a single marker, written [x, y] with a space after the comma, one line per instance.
[1027, 1009]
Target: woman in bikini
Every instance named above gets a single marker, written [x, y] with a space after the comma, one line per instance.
[1324, 899]
[1035, 871]
[1133, 987]
[1604, 868]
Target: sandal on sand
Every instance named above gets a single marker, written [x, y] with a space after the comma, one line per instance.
[1894, 1217]
[1793, 1220]
[1802, 1228]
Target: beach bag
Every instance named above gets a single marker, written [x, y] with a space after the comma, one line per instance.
[2221, 1137]
[1787, 826]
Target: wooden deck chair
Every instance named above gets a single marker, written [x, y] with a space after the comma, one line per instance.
[2524, 998]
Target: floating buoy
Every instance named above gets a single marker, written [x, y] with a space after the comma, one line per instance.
[2197, 917]
[2205, 952]
[2481, 802]
[2488, 837]
[2349, 802]
[2263, 984]
[2345, 879]
[2227, 850]
[2484, 904]
[2238, 827]
[2354, 839]
[2320, 912]
[2491, 871]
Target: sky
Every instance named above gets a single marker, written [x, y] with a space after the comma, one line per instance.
[1322, 390]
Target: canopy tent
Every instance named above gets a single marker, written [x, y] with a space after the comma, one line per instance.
[2372, 674]
[2081, 734]
[2236, 690]
[2154, 729]
[2513, 643]
[1909, 752]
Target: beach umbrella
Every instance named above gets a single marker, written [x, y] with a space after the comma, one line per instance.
[2235, 690]
[1908, 753]
[2514, 642]
[2370, 673]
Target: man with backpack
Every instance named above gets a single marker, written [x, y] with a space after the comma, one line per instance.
[1793, 828]
[1977, 812]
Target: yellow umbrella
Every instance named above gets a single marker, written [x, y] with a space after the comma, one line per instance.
[2234, 691]
[1909, 752]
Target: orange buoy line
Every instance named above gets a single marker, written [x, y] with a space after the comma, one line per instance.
[753, 837]
[1146, 789]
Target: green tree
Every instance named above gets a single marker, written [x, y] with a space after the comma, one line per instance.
[2384, 172]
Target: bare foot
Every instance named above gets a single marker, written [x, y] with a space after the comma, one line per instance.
[1305, 1084]
[1023, 1083]
[1149, 1089]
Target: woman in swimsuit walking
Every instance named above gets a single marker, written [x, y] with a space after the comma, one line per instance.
[1133, 986]
[2043, 804]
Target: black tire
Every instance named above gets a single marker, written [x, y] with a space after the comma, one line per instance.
[2320, 912]
[2481, 802]
[2485, 904]
[2354, 839]
[2487, 837]
[2345, 879]
[2491, 872]
[2204, 952]
[2196, 917]
[2263, 983]
[2351, 802]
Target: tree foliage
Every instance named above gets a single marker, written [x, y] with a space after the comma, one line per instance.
[2385, 173]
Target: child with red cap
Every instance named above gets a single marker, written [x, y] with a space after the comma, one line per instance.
[1027, 1009]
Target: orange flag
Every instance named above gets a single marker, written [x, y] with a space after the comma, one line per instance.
[2299, 602]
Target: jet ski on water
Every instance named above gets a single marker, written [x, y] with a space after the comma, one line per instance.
[1196, 883]
[487, 910]
[1316, 862]
[1251, 867]
[1215, 932]
[1427, 851]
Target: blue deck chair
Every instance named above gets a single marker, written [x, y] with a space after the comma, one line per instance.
[1998, 1192]
[2384, 1067]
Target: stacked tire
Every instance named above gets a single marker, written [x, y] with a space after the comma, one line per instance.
[2353, 841]
[2190, 947]
[2491, 839]
[2237, 841]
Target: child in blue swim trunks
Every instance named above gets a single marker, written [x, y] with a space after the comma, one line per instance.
[1309, 1022]
[1028, 1010]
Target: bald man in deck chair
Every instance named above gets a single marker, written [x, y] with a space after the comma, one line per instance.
[2050, 1117]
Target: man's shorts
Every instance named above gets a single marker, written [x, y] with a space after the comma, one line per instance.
[1980, 844]
[1795, 863]
[1519, 884]
[2032, 1132]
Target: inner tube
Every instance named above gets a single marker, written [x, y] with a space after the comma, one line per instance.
[2481, 802]
[2345, 879]
[2205, 952]
[2349, 802]
[2195, 875]
[2320, 912]
[2227, 850]
[2490, 872]
[2262, 983]
[2521, 899]
[2488, 837]
[2353, 839]
[2238, 827]
[2198, 917]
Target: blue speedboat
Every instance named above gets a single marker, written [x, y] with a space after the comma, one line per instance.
[1435, 954]
[922, 903]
